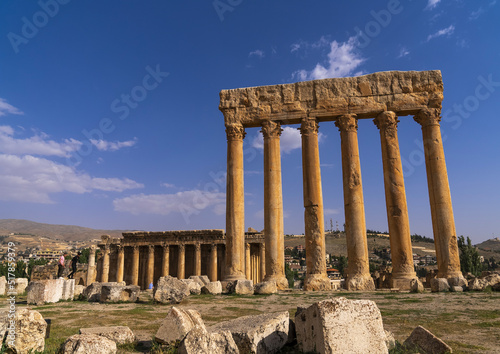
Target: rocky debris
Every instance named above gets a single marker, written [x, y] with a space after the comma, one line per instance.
[177, 325]
[118, 334]
[266, 287]
[486, 279]
[390, 340]
[21, 284]
[3, 323]
[266, 333]
[200, 279]
[115, 292]
[243, 287]
[3, 285]
[29, 336]
[439, 285]
[79, 290]
[212, 288]
[458, 281]
[93, 292]
[426, 342]
[50, 291]
[456, 289]
[87, 343]
[416, 286]
[170, 290]
[193, 286]
[199, 341]
[340, 326]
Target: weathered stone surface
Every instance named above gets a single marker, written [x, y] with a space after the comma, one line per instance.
[485, 280]
[3, 285]
[267, 287]
[439, 285]
[193, 286]
[390, 341]
[68, 289]
[243, 287]
[170, 290]
[36, 293]
[3, 323]
[456, 289]
[457, 281]
[21, 285]
[29, 334]
[88, 343]
[212, 288]
[266, 333]
[118, 334]
[177, 325]
[114, 292]
[340, 326]
[199, 341]
[50, 291]
[93, 292]
[416, 286]
[78, 290]
[426, 342]
[200, 279]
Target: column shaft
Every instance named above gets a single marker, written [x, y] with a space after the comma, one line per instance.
[151, 266]
[91, 266]
[213, 262]
[262, 257]
[105, 265]
[135, 265]
[120, 262]
[247, 261]
[197, 259]
[181, 262]
[165, 261]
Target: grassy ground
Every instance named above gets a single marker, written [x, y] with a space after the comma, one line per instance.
[469, 322]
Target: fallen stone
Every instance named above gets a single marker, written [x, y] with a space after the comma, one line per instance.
[199, 341]
[439, 285]
[78, 290]
[340, 326]
[193, 286]
[457, 281]
[212, 288]
[68, 289]
[266, 333]
[427, 342]
[243, 287]
[416, 286]
[93, 292]
[170, 290]
[113, 292]
[30, 329]
[486, 279]
[118, 334]
[200, 279]
[177, 325]
[87, 343]
[390, 340]
[456, 289]
[21, 284]
[3, 285]
[36, 293]
[266, 288]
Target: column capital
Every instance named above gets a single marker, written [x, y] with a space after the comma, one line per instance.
[135, 247]
[247, 246]
[165, 246]
[271, 129]
[309, 126]
[120, 248]
[197, 246]
[235, 132]
[386, 120]
[347, 123]
[428, 116]
[151, 248]
[213, 246]
[181, 246]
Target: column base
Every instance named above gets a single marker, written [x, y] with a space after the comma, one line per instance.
[234, 277]
[281, 282]
[402, 282]
[317, 282]
[360, 283]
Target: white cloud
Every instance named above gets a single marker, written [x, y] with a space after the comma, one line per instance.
[432, 4]
[289, 141]
[258, 53]
[403, 52]
[444, 32]
[104, 145]
[294, 47]
[6, 108]
[342, 60]
[476, 14]
[168, 185]
[331, 211]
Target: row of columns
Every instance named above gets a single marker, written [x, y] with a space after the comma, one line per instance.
[397, 212]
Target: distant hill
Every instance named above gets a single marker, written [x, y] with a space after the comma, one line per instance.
[62, 232]
[490, 245]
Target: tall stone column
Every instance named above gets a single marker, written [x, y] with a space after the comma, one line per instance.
[273, 205]
[247, 262]
[395, 196]
[91, 266]
[135, 265]
[165, 261]
[105, 265]
[443, 223]
[262, 257]
[358, 270]
[120, 263]
[151, 265]
[213, 262]
[316, 278]
[235, 205]
[197, 259]
[181, 262]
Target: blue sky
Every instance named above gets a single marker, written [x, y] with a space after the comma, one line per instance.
[109, 110]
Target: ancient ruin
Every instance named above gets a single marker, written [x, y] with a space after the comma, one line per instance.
[383, 97]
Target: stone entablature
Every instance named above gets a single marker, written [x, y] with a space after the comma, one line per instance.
[143, 238]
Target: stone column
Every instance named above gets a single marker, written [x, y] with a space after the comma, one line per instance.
[105, 265]
[316, 278]
[120, 262]
[235, 205]
[197, 259]
[262, 257]
[358, 271]
[135, 265]
[151, 266]
[213, 262]
[181, 262]
[91, 266]
[165, 261]
[247, 261]
[443, 223]
[273, 205]
[395, 196]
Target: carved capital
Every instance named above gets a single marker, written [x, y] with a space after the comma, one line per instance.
[135, 248]
[247, 246]
[235, 132]
[309, 127]
[182, 247]
[120, 248]
[428, 116]
[387, 121]
[213, 247]
[151, 248]
[347, 123]
[271, 129]
[197, 247]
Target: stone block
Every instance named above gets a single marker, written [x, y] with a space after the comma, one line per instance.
[266, 333]
[170, 290]
[212, 288]
[118, 334]
[21, 284]
[3, 285]
[266, 287]
[177, 325]
[200, 279]
[193, 286]
[199, 340]
[49, 291]
[30, 328]
[416, 286]
[457, 281]
[68, 289]
[439, 285]
[456, 289]
[88, 343]
[93, 292]
[78, 290]
[340, 325]
[243, 287]
[113, 292]
[427, 342]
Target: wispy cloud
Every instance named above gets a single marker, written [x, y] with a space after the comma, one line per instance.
[403, 52]
[327, 211]
[476, 14]
[443, 32]
[6, 108]
[104, 145]
[432, 4]
[257, 53]
[289, 141]
[168, 185]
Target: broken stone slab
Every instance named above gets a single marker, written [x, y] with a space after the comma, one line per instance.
[20, 285]
[93, 292]
[199, 340]
[118, 334]
[266, 333]
[485, 280]
[212, 288]
[114, 292]
[30, 329]
[243, 287]
[456, 289]
[177, 325]
[439, 285]
[266, 288]
[50, 291]
[416, 286]
[68, 289]
[193, 286]
[170, 290]
[200, 279]
[340, 325]
[88, 343]
[78, 290]
[427, 342]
